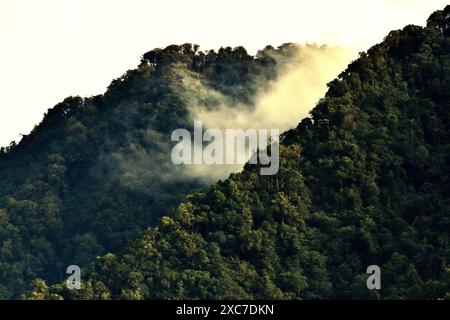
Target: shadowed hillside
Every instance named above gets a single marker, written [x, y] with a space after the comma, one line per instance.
[96, 171]
[364, 180]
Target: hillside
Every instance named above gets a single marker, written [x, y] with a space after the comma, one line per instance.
[97, 171]
[364, 180]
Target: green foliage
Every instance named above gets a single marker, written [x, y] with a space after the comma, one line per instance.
[363, 181]
[97, 171]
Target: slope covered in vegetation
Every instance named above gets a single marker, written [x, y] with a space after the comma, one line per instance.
[363, 181]
[97, 171]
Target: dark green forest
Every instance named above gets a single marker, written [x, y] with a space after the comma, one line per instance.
[363, 180]
[97, 171]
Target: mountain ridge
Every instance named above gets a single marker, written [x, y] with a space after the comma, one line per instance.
[363, 181]
[97, 171]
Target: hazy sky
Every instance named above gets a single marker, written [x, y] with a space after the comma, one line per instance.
[50, 49]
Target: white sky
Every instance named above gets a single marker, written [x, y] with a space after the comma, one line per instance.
[50, 49]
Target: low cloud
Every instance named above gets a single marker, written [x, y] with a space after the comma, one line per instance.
[280, 105]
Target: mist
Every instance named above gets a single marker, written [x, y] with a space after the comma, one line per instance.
[298, 83]
[280, 104]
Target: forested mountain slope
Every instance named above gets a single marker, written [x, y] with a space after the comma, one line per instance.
[97, 170]
[363, 181]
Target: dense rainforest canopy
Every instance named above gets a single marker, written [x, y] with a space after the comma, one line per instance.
[364, 180]
[97, 170]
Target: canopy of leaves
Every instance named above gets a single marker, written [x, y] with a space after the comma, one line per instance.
[97, 171]
[363, 181]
